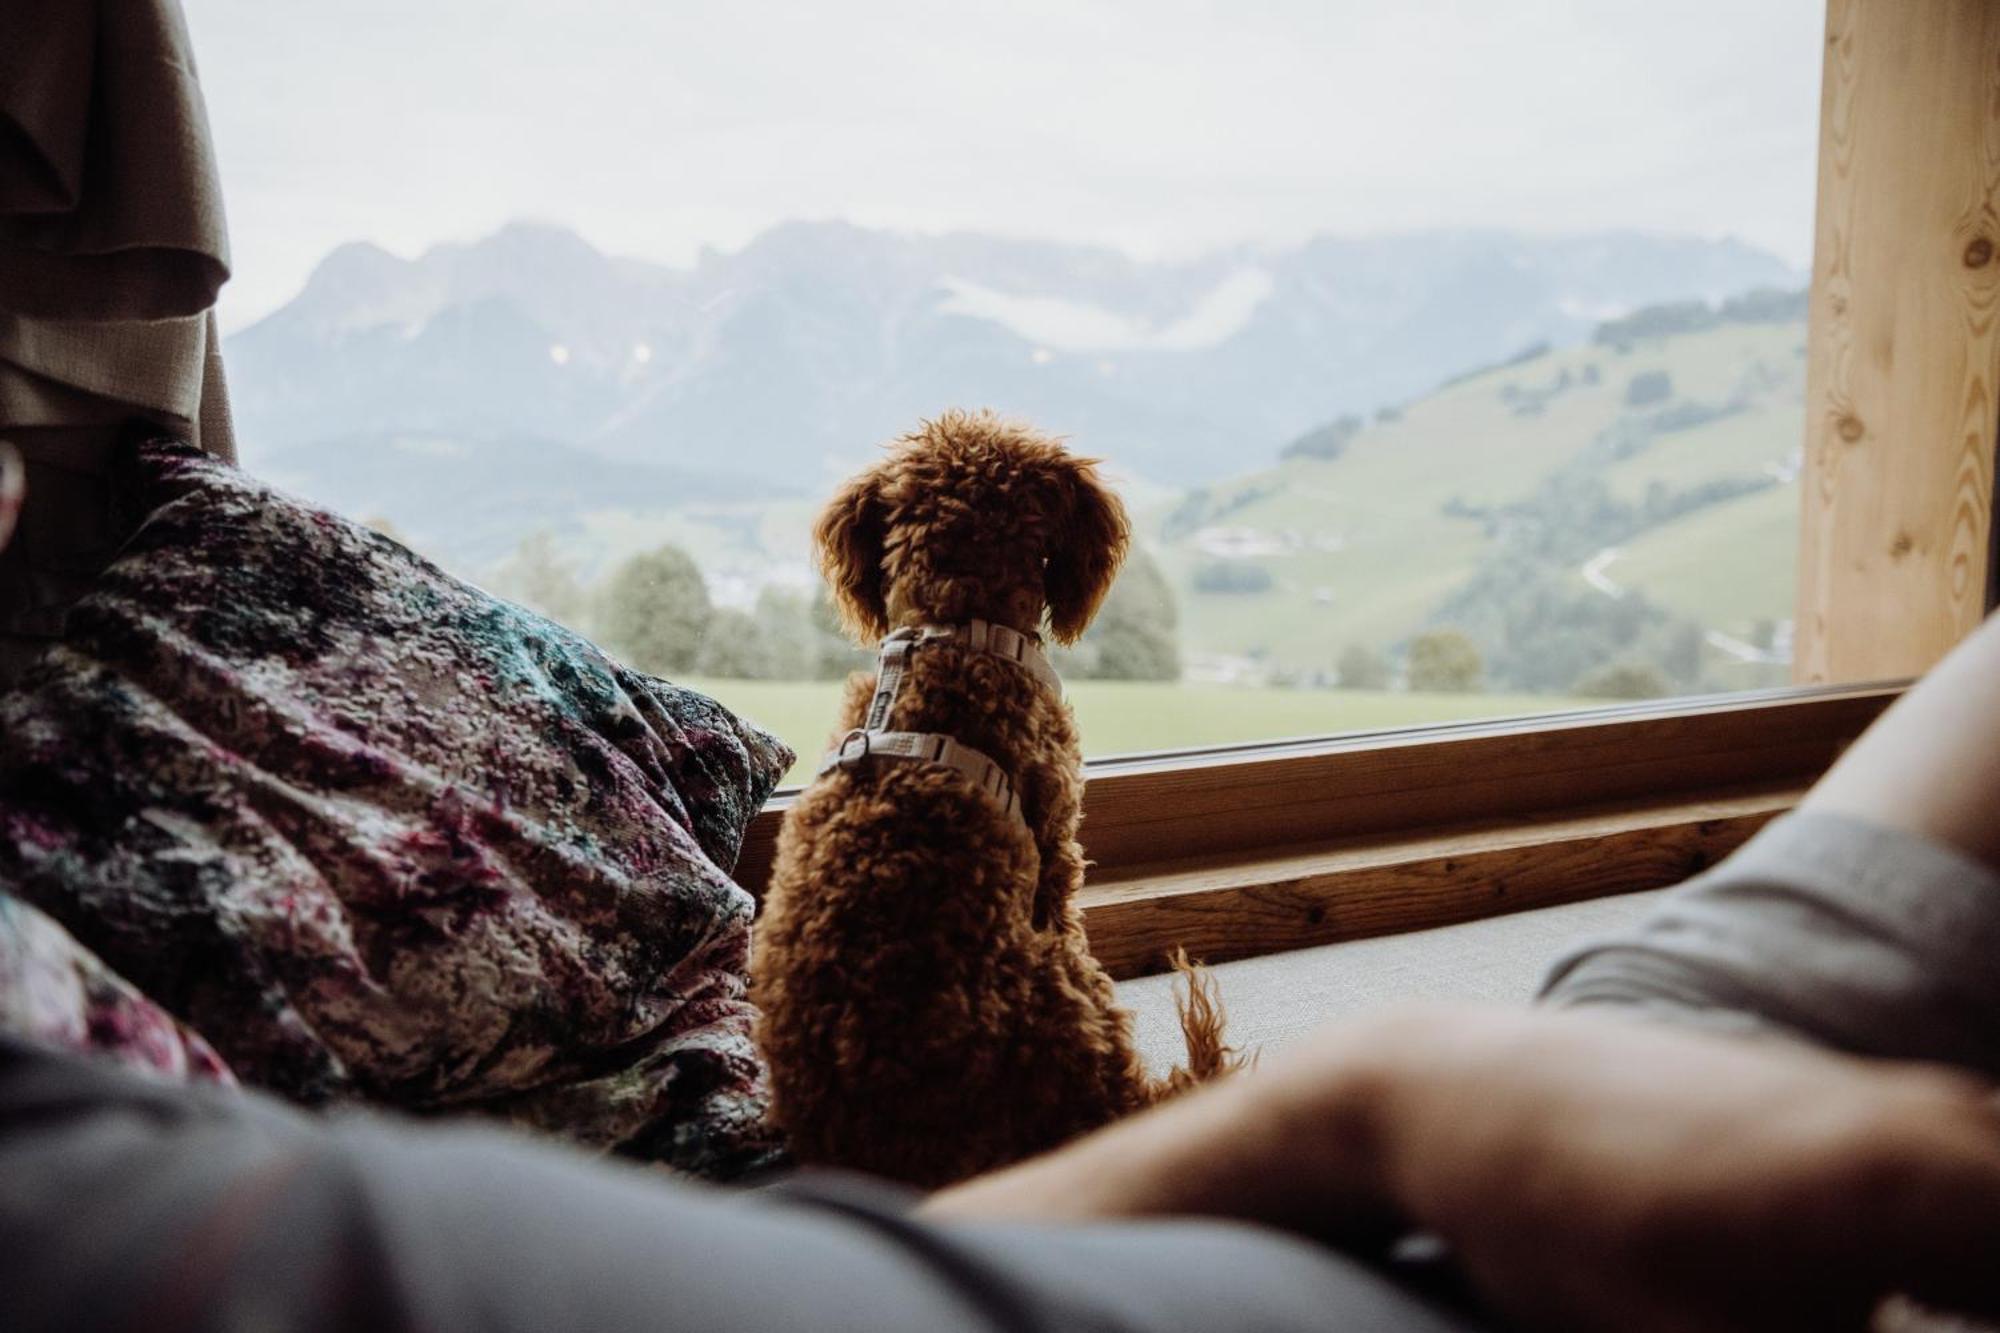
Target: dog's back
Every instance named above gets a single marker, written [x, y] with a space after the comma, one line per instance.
[930, 1007]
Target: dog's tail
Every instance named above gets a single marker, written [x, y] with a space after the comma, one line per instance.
[1202, 1022]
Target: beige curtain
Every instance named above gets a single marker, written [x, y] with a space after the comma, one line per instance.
[112, 250]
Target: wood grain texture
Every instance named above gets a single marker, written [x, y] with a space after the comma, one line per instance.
[1247, 804]
[1903, 350]
[1242, 908]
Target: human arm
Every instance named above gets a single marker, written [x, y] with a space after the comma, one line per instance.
[126, 1202]
[1588, 1173]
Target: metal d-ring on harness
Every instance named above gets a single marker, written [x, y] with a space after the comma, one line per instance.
[871, 740]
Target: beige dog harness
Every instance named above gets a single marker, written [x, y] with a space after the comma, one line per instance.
[870, 740]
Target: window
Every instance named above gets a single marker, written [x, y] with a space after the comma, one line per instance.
[1452, 359]
[350, 378]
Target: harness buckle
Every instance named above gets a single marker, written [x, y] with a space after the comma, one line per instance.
[853, 748]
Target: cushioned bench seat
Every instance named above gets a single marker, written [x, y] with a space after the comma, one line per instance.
[1278, 998]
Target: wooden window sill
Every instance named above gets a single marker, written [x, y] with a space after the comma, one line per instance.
[1225, 907]
[1248, 850]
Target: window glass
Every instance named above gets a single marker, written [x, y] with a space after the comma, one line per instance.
[1450, 356]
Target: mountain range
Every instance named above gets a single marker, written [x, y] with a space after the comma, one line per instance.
[771, 369]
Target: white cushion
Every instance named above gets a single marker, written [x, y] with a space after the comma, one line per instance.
[1278, 998]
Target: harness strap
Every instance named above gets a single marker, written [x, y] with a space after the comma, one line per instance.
[870, 739]
[932, 748]
[1024, 650]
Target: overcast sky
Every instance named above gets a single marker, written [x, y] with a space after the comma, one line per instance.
[1161, 126]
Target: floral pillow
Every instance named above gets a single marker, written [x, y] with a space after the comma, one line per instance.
[378, 835]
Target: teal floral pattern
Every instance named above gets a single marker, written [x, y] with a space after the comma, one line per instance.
[378, 835]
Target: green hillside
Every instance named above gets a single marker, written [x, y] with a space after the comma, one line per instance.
[1615, 519]
[1731, 565]
[1506, 478]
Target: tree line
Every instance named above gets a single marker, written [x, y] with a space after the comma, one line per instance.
[654, 611]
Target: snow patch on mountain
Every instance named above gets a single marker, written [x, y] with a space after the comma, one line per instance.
[1067, 325]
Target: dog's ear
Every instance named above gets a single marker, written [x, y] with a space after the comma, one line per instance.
[1089, 544]
[849, 538]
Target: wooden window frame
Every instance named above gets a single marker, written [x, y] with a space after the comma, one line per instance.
[1258, 848]
[1242, 850]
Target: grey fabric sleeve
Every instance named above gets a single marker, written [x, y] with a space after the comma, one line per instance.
[1822, 928]
[128, 1204]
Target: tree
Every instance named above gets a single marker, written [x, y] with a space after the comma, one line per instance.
[736, 646]
[784, 617]
[1657, 321]
[1325, 442]
[539, 577]
[1232, 576]
[1188, 516]
[655, 610]
[1444, 661]
[1649, 387]
[1623, 680]
[835, 655]
[1362, 668]
[1766, 305]
[1679, 656]
[1136, 635]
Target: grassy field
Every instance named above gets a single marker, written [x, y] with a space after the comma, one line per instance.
[1729, 565]
[1128, 717]
[1736, 446]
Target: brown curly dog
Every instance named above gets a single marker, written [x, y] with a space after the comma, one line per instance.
[930, 1007]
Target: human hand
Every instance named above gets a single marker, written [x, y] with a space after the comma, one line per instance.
[1598, 1174]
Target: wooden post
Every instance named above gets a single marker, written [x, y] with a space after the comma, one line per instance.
[1903, 350]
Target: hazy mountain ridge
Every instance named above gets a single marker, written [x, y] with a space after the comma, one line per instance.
[791, 357]
[500, 488]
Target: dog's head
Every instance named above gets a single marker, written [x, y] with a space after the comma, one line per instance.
[972, 515]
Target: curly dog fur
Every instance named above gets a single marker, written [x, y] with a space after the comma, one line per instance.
[930, 1007]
